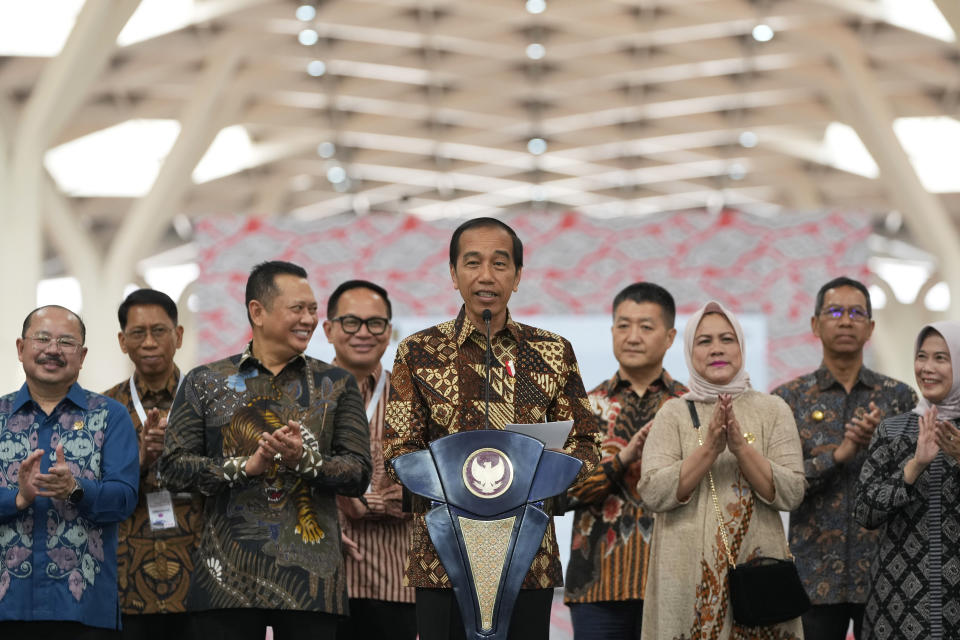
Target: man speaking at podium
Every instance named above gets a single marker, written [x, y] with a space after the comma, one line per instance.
[438, 388]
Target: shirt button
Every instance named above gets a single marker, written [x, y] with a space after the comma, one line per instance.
[159, 546]
[817, 415]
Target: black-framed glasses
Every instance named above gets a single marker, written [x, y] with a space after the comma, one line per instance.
[351, 324]
[835, 312]
[65, 344]
[138, 335]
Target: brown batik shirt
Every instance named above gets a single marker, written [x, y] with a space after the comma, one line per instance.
[438, 389]
[270, 541]
[153, 567]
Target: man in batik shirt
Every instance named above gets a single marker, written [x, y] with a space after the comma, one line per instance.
[269, 436]
[837, 408]
[606, 574]
[153, 554]
[438, 389]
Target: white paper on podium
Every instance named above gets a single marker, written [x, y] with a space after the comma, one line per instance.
[553, 435]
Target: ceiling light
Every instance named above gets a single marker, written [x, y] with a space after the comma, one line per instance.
[326, 149]
[536, 51]
[316, 68]
[748, 139]
[536, 6]
[763, 33]
[336, 174]
[306, 12]
[537, 146]
[308, 37]
[737, 171]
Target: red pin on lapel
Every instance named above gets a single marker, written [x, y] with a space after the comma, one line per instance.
[510, 369]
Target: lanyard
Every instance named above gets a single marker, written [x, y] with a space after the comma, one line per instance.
[372, 405]
[138, 406]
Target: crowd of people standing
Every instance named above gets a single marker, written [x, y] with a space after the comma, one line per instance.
[265, 495]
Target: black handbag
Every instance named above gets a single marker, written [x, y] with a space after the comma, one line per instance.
[763, 591]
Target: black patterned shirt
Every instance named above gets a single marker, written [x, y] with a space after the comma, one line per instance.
[270, 541]
[833, 552]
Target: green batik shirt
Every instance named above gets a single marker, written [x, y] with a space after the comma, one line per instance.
[270, 541]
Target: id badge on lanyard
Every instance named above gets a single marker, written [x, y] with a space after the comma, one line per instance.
[159, 503]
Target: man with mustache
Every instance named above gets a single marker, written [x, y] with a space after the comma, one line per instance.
[68, 475]
[156, 543]
[837, 408]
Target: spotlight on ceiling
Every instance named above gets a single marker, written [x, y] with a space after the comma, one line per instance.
[537, 146]
[306, 12]
[536, 6]
[536, 51]
[308, 37]
[316, 68]
[748, 139]
[763, 33]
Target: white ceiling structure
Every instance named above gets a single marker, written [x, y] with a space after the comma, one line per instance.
[109, 146]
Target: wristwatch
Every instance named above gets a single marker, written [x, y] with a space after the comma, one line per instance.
[77, 494]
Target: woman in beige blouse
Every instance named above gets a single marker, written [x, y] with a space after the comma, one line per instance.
[751, 445]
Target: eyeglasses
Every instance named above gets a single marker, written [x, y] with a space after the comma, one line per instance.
[351, 324]
[856, 314]
[65, 344]
[138, 335]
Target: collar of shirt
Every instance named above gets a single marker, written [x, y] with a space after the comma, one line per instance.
[248, 359]
[75, 395]
[865, 377]
[369, 381]
[169, 387]
[463, 327]
[617, 382]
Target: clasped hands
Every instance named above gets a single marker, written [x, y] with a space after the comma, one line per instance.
[57, 483]
[285, 445]
[724, 431]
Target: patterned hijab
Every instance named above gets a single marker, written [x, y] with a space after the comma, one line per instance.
[949, 407]
[700, 389]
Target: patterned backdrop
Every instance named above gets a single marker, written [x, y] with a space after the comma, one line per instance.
[574, 265]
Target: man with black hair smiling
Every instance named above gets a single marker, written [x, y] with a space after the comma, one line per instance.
[154, 556]
[376, 532]
[269, 436]
[438, 389]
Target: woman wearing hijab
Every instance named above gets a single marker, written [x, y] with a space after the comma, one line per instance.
[910, 488]
[749, 442]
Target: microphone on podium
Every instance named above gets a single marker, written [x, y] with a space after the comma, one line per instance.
[487, 316]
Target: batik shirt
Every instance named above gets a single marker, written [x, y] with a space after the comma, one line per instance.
[832, 551]
[270, 541]
[154, 566]
[59, 560]
[915, 577]
[438, 389]
[611, 531]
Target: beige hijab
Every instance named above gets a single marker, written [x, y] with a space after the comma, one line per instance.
[949, 407]
[700, 389]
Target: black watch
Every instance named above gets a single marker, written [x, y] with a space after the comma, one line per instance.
[76, 495]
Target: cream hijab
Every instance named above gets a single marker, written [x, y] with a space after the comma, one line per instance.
[700, 389]
[949, 407]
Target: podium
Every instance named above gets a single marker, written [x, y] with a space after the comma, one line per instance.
[487, 489]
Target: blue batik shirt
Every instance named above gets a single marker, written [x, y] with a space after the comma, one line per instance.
[59, 561]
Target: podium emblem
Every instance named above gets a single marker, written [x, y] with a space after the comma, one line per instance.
[487, 473]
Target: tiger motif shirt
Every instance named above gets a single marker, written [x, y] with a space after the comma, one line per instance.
[271, 541]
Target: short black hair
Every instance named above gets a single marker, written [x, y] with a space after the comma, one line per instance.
[262, 286]
[356, 284]
[641, 292]
[842, 281]
[143, 297]
[29, 319]
[481, 223]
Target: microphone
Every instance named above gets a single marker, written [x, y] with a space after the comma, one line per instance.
[487, 316]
